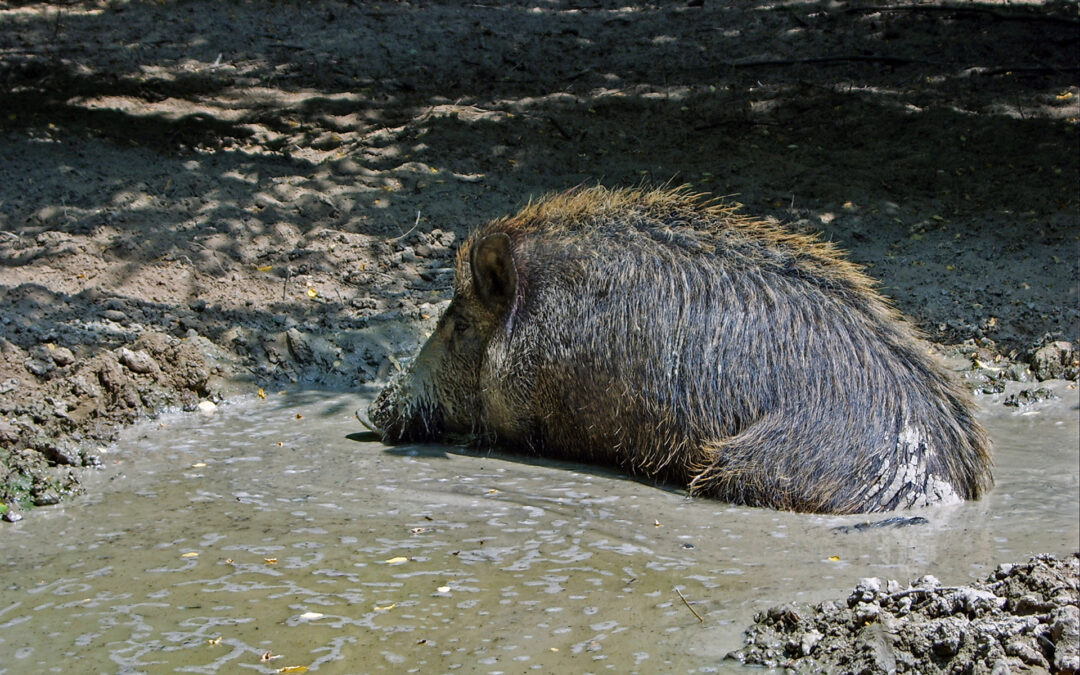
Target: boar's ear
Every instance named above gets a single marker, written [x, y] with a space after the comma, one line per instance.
[493, 271]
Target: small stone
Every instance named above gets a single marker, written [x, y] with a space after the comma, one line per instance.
[136, 361]
[978, 602]
[37, 367]
[1001, 667]
[1024, 650]
[1065, 631]
[299, 346]
[1054, 360]
[207, 407]
[865, 613]
[62, 356]
[115, 315]
[1030, 397]
[8, 433]
[1017, 372]
[809, 640]
[47, 498]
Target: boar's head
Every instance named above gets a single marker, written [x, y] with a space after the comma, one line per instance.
[440, 390]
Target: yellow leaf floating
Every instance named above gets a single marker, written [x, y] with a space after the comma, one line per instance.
[261, 394]
[214, 641]
[190, 554]
[386, 608]
[397, 561]
[834, 558]
[270, 561]
[292, 669]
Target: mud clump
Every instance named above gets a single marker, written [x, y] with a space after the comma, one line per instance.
[1022, 617]
[1057, 360]
[63, 406]
[682, 341]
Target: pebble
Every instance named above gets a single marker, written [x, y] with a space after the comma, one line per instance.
[38, 367]
[47, 498]
[1055, 360]
[62, 356]
[136, 361]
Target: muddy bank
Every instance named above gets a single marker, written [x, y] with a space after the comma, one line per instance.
[1022, 617]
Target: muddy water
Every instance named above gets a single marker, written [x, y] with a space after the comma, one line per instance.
[270, 534]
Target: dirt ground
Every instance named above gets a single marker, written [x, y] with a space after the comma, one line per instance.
[199, 198]
[1023, 617]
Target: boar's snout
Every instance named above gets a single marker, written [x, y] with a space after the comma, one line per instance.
[404, 411]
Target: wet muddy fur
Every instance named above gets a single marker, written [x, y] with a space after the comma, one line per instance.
[682, 341]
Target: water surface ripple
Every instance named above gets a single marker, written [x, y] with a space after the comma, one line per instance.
[263, 537]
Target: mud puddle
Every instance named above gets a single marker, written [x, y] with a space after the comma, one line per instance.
[271, 535]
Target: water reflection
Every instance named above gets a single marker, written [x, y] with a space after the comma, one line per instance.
[264, 537]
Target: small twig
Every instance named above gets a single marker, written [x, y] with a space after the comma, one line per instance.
[402, 236]
[687, 603]
[913, 591]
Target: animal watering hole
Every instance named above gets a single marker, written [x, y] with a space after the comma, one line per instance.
[273, 535]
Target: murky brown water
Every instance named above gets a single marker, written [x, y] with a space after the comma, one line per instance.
[211, 541]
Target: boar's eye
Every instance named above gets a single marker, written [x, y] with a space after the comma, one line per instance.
[461, 325]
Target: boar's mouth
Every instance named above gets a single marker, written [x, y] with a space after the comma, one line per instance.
[401, 423]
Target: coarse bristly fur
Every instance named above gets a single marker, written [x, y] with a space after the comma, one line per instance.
[679, 340]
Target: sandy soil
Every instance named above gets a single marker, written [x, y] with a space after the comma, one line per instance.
[202, 197]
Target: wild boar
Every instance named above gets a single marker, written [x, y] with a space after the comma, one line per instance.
[675, 338]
